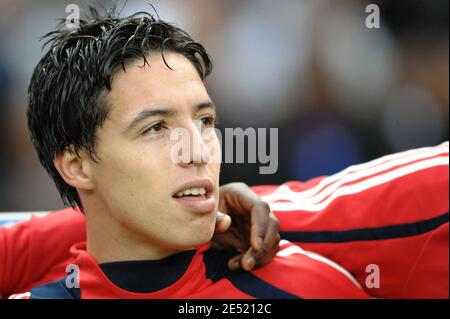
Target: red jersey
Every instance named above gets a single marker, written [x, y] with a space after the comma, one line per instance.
[203, 274]
[389, 215]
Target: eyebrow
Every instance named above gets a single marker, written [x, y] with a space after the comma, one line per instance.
[145, 114]
[205, 105]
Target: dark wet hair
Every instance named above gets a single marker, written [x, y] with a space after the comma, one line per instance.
[66, 93]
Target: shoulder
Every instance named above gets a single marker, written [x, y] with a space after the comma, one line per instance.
[294, 273]
[309, 275]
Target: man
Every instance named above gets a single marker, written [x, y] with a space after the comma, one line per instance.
[103, 102]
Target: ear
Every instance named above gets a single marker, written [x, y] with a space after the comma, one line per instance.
[76, 170]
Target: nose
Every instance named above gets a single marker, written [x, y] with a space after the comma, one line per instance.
[193, 150]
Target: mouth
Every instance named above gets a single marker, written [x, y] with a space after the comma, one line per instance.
[196, 196]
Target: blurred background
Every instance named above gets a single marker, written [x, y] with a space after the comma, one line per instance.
[338, 92]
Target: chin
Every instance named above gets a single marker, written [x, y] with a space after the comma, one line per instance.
[195, 232]
[201, 237]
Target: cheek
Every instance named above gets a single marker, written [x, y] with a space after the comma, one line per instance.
[131, 178]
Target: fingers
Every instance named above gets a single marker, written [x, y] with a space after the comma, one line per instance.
[249, 212]
[257, 258]
[245, 261]
[256, 238]
[248, 261]
[225, 241]
[241, 200]
[260, 215]
[234, 264]
[237, 197]
[270, 244]
[223, 222]
[272, 237]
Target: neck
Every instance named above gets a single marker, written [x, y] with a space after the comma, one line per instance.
[109, 241]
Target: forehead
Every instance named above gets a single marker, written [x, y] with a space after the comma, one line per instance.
[155, 85]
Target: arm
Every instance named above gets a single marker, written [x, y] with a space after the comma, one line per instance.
[30, 249]
[391, 213]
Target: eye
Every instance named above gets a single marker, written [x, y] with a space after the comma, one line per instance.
[155, 128]
[208, 120]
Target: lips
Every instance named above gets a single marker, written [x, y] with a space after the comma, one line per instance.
[196, 196]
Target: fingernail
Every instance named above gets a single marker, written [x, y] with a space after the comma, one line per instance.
[251, 262]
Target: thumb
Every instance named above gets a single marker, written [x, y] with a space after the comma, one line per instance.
[223, 222]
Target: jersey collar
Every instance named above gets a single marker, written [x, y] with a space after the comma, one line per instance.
[173, 277]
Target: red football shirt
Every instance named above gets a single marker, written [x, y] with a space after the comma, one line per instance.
[390, 214]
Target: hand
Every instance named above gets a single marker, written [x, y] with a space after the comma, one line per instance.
[245, 222]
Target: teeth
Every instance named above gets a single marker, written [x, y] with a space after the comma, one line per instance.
[192, 191]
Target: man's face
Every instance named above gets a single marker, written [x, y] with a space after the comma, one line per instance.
[137, 179]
